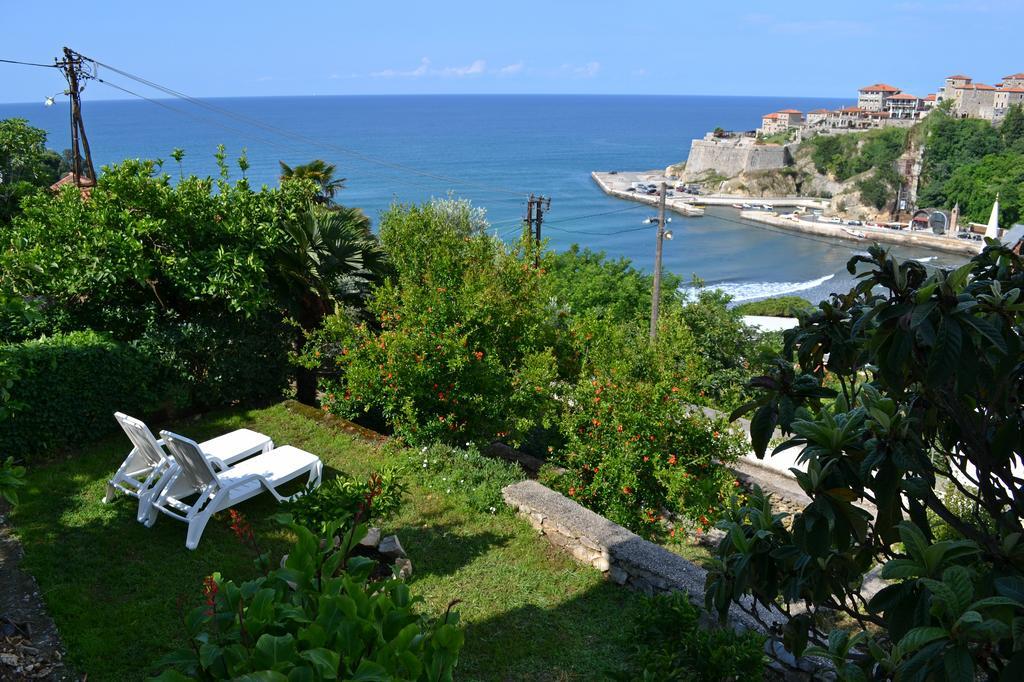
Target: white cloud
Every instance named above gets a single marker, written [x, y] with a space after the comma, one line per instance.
[425, 69]
[511, 69]
[476, 68]
[422, 70]
[588, 70]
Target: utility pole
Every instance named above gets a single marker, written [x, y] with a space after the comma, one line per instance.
[76, 74]
[535, 208]
[543, 203]
[656, 296]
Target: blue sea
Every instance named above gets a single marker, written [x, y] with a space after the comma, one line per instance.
[494, 150]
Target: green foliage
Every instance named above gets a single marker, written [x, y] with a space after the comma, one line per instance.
[67, 387]
[463, 474]
[976, 185]
[464, 349]
[318, 617]
[672, 645]
[633, 444]
[343, 496]
[582, 281]
[780, 306]
[1012, 129]
[949, 144]
[12, 477]
[319, 172]
[927, 365]
[727, 349]
[26, 165]
[844, 156]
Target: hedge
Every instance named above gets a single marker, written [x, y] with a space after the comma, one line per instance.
[66, 388]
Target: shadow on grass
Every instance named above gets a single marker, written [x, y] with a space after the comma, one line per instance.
[440, 550]
[585, 637]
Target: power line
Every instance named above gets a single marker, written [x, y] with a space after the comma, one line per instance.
[285, 133]
[224, 126]
[15, 61]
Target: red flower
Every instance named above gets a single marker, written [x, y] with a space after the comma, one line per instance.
[239, 526]
[479, 355]
[672, 459]
[646, 458]
[572, 492]
[210, 589]
[626, 489]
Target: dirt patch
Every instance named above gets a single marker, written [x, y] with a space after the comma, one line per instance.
[30, 647]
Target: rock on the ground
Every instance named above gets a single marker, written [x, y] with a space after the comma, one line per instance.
[372, 538]
[391, 547]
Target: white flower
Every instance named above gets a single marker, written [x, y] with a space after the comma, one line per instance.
[449, 491]
[424, 449]
[493, 510]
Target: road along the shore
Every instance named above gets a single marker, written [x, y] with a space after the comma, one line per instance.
[616, 184]
[922, 239]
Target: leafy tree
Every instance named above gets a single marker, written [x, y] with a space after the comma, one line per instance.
[323, 259]
[26, 165]
[949, 144]
[975, 186]
[1012, 129]
[318, 171]
[583, 280]
[464, 349]
[927, 372]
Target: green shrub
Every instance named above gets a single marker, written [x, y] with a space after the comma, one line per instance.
[343, 497]
[927, 365]
[633, 443]
[68, 386]
[671, 645]
[12, 477]
[780, 306]
[222, 359]
[465, 346]
[464, 474]
[318, 617]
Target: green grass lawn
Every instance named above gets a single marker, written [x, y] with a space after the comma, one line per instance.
[116, 588]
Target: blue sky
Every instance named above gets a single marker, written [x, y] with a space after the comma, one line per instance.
[797, 47]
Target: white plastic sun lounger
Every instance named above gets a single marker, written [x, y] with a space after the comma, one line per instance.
[219, 486]
[148, 464]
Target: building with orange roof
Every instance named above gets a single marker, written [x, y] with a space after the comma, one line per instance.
[873, 97]
[903, 105]
[1014, 81]
[781, 121]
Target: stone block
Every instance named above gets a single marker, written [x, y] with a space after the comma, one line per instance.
[372, 538]
[391, 547]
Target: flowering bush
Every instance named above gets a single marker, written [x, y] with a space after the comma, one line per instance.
[464, 349]
[635, 446]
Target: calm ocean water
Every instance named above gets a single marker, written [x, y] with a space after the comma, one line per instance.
[498, 148]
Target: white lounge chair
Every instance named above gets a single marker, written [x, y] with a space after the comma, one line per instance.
[219, 486]
[148, 464]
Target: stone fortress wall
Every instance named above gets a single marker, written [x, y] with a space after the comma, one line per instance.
[730, 156]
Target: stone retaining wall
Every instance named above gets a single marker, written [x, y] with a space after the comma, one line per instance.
[627, 559]
[731, 156]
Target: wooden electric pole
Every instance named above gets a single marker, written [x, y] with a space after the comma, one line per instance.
[74, 71]
[543, 203]
[656, 295]
[535, 208]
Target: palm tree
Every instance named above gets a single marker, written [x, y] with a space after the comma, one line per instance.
[324, 259]
[320, 172]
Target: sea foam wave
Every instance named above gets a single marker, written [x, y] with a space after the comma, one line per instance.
[749, 291]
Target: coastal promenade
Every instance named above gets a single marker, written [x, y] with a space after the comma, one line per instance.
[615, 184]
[871, 234]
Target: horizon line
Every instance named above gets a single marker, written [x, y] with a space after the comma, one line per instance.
[443, 94]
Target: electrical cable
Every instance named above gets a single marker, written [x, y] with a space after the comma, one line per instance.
[285, 133]
[245, 133]
[15, 61]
